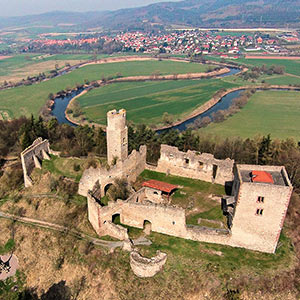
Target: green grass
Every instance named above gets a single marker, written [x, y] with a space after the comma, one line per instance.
[192, 194]
[291, 66]
[16, 62]
[28, 100]
[147, 101]
[64, 167]
[283, 80]
[8, 247]
[229, 263]
[274, 112]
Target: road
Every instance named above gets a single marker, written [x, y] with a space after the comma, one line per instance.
[78, 234]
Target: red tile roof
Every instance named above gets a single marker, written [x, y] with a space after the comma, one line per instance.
[159, 185]
[262, 176]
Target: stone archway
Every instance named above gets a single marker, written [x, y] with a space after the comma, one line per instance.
[116, 218]
[147, 226]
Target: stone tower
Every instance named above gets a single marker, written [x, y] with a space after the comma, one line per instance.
[262, 195]
[116, 135]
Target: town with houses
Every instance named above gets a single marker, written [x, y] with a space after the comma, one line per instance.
[178, 42]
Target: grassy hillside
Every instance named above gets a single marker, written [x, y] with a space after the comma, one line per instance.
[274, 112]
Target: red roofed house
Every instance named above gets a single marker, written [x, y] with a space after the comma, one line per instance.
[155, 190]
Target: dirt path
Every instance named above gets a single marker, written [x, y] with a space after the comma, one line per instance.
[76, 233]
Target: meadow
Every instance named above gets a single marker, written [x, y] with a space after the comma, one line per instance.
[27, 100]
[267, 112]
[291, 66]
[146, 102]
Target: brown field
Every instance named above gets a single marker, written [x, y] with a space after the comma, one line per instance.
[4, 57]
[272, 57]
[35, 69]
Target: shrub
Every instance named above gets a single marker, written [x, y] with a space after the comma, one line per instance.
[76, 167]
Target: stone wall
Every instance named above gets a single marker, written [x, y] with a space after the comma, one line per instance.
[191, 164]
[32, 156]
[171, 221]
[147, 267]
[130, 168]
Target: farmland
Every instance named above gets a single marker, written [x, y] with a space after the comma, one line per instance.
[27, 100]
[274, 112]
[20, 66]
[291, 66]
[146, 102]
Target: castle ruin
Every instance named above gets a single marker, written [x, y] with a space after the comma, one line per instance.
[256, 209]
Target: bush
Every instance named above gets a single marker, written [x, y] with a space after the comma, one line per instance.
[76, 167]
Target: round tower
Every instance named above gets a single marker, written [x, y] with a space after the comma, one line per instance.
[116, 135]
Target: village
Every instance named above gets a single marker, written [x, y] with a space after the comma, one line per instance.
[175, 42]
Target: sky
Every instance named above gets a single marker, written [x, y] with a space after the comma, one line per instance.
[29, 7]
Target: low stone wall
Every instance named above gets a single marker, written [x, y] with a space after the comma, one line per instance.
[115, 231]
[147, 267]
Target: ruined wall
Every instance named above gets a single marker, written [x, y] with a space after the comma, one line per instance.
[101, 219]
[171, 221]
[116, 135]
[94, 213]
[195, 165]
[147, 267]
[32, 156]
[153, 195]
[164, 219]
[116, 231]
[130, 168]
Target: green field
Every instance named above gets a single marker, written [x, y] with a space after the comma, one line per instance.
[28, 100]
[291, 66]
[274, 112]
[146, 102]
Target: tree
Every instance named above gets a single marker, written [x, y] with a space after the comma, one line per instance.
[167, 119]
[265, 151]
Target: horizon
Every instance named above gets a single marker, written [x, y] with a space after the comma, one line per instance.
[35, 7]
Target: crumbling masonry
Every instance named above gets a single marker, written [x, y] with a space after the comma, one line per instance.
[32, 156]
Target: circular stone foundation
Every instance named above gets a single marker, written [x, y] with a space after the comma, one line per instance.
[8, 266]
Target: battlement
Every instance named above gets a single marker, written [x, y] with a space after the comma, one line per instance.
[116, 119]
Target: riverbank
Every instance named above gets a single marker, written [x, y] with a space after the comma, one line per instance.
[219, 96]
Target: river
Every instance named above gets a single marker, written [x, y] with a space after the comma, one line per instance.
[61, 103]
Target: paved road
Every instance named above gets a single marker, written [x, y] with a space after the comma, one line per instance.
[76, 233]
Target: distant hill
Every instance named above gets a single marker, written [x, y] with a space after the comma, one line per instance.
[210, 13]
[194, 13]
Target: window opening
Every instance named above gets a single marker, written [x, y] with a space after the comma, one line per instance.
[261, 199]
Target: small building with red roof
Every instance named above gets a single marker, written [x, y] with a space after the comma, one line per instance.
[156, 191]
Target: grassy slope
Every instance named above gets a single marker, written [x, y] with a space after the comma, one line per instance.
[146, 102]
[29, 99]
[275, 112]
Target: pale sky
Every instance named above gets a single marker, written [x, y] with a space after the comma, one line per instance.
[29, 7]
